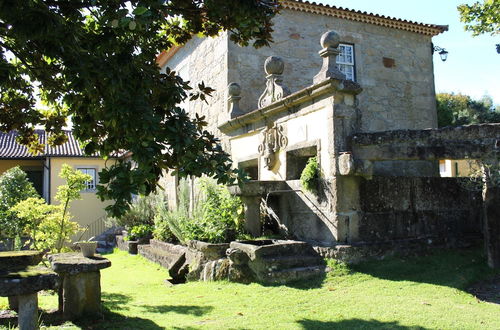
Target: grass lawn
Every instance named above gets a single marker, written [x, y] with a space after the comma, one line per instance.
[399, 293]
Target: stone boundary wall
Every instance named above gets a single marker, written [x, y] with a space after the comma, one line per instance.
[398, 208]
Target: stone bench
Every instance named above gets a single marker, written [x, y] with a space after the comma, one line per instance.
[80, 289]
[20, 280]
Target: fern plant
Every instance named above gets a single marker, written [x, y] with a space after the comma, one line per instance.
[310, 175]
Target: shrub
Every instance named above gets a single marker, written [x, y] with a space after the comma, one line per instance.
[213, 216]
[141, 231]
[141, 212]
[14, 187]
[310, 175]
[50, 226]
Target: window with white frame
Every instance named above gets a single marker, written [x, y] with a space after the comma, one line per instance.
[90, 184]
[345, 61]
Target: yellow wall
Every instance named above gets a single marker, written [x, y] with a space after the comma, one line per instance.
[6, 164]
[459, 167]
[90, 208]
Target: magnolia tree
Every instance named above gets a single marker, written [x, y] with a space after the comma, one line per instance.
[95, 61]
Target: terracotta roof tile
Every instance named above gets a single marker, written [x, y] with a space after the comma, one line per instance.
[363, 16]
[9, 148]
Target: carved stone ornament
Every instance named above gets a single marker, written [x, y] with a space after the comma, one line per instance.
[272, 140]
[275, 90]
[234, 91]
[330, 42]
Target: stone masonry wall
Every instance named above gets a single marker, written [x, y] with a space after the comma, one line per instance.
[410, 208]
[205, 60]
[398, 97]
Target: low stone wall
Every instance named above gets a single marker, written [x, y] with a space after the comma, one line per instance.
[432, 209]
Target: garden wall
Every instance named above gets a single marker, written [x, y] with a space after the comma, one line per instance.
[441, 209]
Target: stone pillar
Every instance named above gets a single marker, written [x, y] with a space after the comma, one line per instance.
[81, 295]
[491, 202]
[14, 303]
[252, 214]
[28, 312]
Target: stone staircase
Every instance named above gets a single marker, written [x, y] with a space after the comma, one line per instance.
[264, 261]
[274, 261]
[170, 256]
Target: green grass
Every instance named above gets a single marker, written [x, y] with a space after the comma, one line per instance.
[399, 293]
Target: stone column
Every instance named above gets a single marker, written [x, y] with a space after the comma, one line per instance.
[252, 214]
[28, 312]
[81, 294]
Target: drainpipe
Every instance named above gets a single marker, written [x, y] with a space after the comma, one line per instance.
[47, 166]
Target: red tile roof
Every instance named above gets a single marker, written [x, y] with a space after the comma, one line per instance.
[363, 16]
[9, 148]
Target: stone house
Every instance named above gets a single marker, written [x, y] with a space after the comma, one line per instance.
[43, 171]
[374, 73]
[390, 58]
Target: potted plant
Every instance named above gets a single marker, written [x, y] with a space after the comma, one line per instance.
[87, 248]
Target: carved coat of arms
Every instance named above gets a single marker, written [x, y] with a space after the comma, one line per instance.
[272, 140]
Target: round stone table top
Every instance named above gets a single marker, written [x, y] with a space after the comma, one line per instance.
[29, 280]
[74, 263]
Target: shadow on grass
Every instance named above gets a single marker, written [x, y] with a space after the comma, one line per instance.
[115, 301]
[191, 310]
[108, 320]
[488, 291]
[353, 324]
[305, 284]
[457, 268]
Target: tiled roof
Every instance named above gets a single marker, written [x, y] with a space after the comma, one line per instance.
[9, 148]
[363, 16]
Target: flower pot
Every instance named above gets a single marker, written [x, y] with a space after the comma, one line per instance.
[87, 248]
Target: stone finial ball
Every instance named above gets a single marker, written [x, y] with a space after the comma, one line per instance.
[274, 65]
[330, 39]
[234, 89]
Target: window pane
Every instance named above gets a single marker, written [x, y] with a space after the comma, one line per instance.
[89, 185]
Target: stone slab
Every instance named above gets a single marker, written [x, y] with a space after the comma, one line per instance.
[19, 259]
[74, 263]
[27, 281]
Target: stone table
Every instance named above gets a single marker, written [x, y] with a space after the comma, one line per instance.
[20, 280]
[80, 289]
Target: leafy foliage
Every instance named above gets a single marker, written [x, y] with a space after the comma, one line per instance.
[50, 226]
[310, 175]
[459, 109]
[216, 215]
[481, 17]
[142, 212]
[95, 60]
[14, 187]
[141, 231]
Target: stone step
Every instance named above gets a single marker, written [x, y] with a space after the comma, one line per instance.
[292, 274]
[270, 248]
[285, 262]
[104, 250]
[173, 261]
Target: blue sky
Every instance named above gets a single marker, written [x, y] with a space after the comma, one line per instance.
[472, 67]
